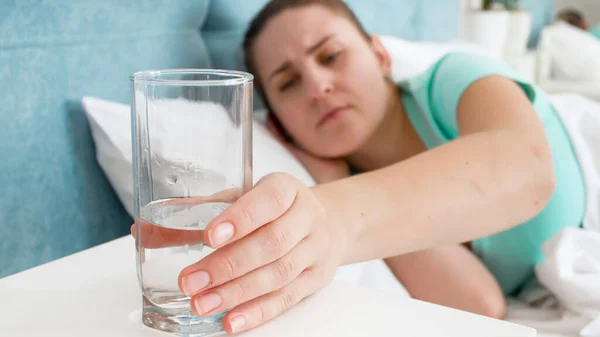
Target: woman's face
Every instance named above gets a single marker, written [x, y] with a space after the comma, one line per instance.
[324, 81]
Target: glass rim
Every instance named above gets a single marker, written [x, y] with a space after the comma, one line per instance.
[230, 77]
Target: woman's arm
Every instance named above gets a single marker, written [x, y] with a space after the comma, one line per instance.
[282, 241]
[497, 174]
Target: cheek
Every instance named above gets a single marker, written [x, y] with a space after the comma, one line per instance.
[366, 82]
[298, 125]
[292, 113]
[292, 118]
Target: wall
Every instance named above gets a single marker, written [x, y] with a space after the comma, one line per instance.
[590, 8]
[543, 13]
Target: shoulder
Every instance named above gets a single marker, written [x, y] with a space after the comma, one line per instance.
[460, 69]
[453, 74]
[442, 86]
[455, 71]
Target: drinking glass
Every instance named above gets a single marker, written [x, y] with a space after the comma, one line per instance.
[192, 157]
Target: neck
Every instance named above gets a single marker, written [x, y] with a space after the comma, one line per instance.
[394, 140]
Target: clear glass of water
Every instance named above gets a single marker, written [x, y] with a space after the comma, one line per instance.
[192, 157]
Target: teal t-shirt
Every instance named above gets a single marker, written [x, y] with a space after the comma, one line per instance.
[595, 31]
[431, 101]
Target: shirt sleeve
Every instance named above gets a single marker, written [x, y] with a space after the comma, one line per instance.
[454, 74]
[595, 31]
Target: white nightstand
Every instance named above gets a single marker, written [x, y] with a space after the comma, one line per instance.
[95, 293]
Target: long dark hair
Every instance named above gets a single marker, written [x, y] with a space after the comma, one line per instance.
[571, 16]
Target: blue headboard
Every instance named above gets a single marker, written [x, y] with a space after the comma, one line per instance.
[431, 20]
[543, 12]
[54, 198]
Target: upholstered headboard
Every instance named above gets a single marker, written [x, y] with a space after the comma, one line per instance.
[431, 20]
[54, 198]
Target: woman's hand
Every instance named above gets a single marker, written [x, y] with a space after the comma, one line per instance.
[322, 170]
[275, 247]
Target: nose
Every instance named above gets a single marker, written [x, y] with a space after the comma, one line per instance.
[318, 83]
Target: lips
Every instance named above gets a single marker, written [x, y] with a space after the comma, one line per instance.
[332, 114]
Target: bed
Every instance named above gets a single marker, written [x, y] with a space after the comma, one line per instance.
[57, 196]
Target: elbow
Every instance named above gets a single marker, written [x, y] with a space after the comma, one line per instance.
[543, 179]
[546, 185]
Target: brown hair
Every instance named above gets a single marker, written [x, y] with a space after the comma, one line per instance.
[269, 11]
[572, 17]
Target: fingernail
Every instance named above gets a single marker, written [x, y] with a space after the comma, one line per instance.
[194, 282]
[207, 303]
[221, 233]
[237, 322]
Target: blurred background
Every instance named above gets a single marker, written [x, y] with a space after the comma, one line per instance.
[555, 43]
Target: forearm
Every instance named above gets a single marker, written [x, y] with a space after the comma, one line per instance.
[475, 186]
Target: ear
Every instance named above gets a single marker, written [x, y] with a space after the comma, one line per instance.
[382, 55]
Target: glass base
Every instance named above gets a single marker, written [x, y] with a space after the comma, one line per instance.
[181, 322]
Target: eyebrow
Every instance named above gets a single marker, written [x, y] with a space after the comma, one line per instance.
[309, 51]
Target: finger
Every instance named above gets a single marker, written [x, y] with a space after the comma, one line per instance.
[256, 283]
[261, 310]
[153, 236]
[261, 248]
[268, 200]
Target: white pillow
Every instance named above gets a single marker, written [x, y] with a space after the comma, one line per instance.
[574, 53]
[110, 124]
[411, 58]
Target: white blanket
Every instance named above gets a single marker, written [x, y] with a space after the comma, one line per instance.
[571, 271]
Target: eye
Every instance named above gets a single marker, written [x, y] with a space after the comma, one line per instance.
[287, 84]
[331, 57]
